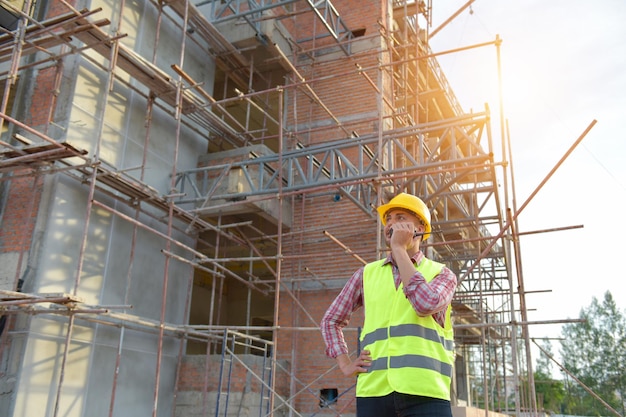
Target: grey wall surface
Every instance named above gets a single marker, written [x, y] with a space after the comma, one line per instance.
[121, 264]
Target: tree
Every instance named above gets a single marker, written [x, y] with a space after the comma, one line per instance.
[550, 392]
[595, 352]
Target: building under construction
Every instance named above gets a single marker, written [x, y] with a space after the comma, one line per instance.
[186, 185]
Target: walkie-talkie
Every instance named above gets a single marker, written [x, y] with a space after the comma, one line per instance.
[415, 234]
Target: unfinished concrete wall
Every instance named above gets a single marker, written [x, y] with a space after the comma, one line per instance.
[105, 280]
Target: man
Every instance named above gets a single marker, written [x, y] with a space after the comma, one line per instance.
[405, 366]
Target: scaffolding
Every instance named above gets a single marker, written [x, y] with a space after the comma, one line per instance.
[283, 158]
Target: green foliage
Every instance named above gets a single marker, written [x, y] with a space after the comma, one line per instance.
[595, 353]
[550, 392]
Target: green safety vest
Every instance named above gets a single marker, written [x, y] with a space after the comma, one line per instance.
[410, 354]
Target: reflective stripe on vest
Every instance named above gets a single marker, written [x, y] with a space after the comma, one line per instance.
[410, 354]
[407, 330]
[415, 361]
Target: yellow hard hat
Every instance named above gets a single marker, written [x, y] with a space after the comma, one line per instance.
[411, 203]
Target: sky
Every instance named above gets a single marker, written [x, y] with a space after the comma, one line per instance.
[563, 65]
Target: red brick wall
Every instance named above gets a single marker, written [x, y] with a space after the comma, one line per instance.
[20, 213]
[324, 257]
[56, 8]
[305, 349]
[40, 110]
[356, 14]
[335, 78]
[194, 370]
[349, 94]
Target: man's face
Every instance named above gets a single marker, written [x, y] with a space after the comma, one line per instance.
[402, 219]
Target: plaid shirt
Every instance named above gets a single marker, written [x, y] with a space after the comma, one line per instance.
[427, 298]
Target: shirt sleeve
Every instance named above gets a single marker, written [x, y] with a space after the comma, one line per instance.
[338, 315]
[432, 298]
